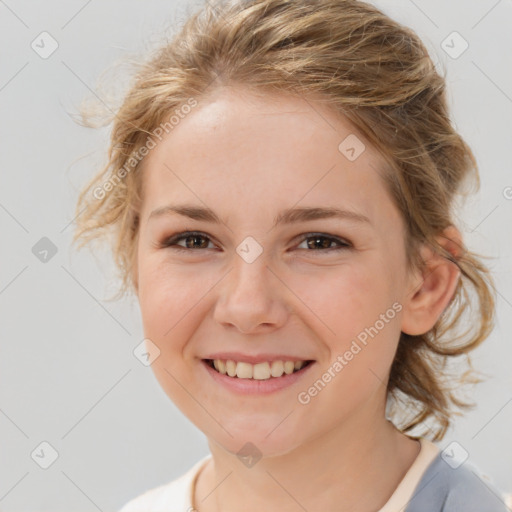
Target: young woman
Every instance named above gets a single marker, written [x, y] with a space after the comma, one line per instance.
[280, 187]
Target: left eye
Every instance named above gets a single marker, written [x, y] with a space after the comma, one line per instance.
[320, 241]
[195, 240]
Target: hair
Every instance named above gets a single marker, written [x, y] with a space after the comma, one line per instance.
[375, 72]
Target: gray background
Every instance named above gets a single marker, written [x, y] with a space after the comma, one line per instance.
[68, 374]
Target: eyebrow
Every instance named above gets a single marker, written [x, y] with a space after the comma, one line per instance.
[288, 216]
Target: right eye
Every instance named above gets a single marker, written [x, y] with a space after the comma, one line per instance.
[193, 240]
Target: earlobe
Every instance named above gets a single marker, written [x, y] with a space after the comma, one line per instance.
[134, 271]
[135, 275]
[136, 287]
[135, 282]
[426, 301]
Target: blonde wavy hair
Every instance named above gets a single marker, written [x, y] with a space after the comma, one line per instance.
[368, 68]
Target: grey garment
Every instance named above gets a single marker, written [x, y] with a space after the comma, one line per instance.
[444, 489]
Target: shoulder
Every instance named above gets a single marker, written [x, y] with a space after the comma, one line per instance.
[170, 497]
[445, 488]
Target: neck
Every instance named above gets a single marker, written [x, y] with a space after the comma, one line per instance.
[332, 472]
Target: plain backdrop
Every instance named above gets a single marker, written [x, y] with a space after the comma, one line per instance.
[68, 374]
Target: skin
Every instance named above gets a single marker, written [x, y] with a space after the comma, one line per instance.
[247, 157]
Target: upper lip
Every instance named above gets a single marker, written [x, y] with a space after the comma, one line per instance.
[254, 359]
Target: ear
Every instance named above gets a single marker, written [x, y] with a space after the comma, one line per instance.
[135, 279]
[134, 271]
[430, 291]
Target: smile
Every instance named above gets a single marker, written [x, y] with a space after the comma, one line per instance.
[259, 371]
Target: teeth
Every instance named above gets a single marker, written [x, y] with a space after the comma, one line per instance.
[230, 368]
[244, 370]
[259, 371]
[221, 366]
[277, 368]
[288, 367]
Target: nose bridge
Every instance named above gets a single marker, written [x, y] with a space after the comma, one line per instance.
[250, 296]
[249, 281]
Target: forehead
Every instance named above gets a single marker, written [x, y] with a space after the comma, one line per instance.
[262, 152]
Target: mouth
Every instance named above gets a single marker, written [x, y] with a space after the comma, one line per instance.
[266, 370]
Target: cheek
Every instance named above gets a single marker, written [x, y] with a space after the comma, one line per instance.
[357, 316]
[343, 298]
[169, 297]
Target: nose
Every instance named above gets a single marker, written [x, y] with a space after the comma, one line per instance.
[251, 298]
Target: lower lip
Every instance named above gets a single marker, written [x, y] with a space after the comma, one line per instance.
[255, 386]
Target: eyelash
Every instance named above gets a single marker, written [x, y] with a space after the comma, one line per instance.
[171, 241]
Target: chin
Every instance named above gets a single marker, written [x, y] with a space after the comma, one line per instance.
[250, 444]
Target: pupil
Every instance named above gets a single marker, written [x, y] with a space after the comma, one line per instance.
[324, 244]
[194, 238]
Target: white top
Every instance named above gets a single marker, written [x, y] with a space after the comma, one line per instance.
[178, 495]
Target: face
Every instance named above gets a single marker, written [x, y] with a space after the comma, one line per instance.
[255, 285]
